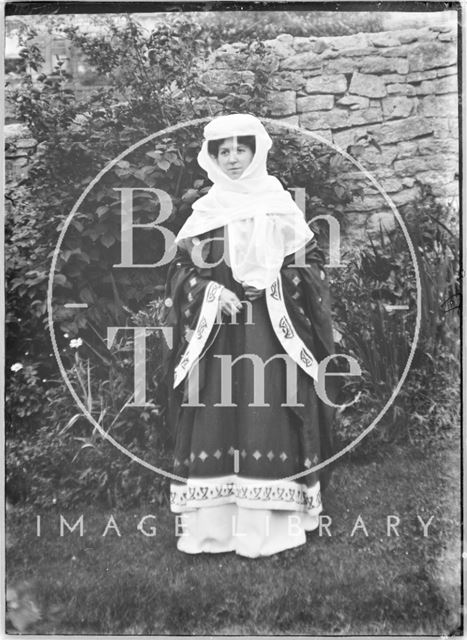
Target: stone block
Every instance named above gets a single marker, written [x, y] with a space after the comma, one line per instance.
[398, 107]
[408, 182]
[380, 64]
[290, 120]
[400, 89]
[327, 84]
[454, 127]
[320, 45]
[447, 71]
[367, 203]
[405, 196]
[287, 80]
[383, 172]
[431, 146]
[384, 39]
[414, 166]
[303, 44]
[435, 177]
[280, 48]
[359, 40]
[356, 53]
[358, 102]
[431, 56]
[451, 189]
[406, 149]
[394, 77]
[363, 116]
[282, 103]
[447, 37]
[391, 184]
[407, 36]
[441, 28]
[370, 86]
[418, 76]
[400, 51]
[306, 60]
[329, 54]
[311, 73]
[412, 35]
[447, 84]
[229, 58]
[335, 119]
[440, 127]
[341, 65]
[446, 105]
[401, 130]
[315, 103]
[285, 37]
[324, 133]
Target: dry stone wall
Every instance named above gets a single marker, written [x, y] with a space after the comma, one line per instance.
[398, 89]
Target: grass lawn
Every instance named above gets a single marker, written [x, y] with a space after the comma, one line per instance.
[332, 585]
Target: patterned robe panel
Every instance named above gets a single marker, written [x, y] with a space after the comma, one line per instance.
[307, 301]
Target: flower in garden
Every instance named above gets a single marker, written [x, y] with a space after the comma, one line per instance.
[16, 367]
[75, 343]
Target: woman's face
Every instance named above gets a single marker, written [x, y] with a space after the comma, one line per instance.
[234, 158]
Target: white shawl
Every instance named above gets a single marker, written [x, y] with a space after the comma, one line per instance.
[264, 223]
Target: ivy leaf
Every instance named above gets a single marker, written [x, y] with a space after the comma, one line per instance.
[157, 155]
[107, 240]
[101, 210]
[190, 196]
[164, 165]
[60, 279]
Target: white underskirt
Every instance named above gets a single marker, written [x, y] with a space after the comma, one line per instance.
[247, 532]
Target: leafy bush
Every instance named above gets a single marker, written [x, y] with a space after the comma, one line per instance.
[427, 407]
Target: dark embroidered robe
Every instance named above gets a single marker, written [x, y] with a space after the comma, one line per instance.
[309, 441]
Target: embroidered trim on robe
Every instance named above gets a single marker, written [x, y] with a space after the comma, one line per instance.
[286, 332]
[202, 330]
[246, 492]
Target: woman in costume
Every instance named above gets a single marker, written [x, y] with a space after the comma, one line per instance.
[248, 302]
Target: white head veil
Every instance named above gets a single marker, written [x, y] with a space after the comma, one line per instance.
[264, 223]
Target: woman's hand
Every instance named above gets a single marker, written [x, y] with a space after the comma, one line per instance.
[252, 293]
[229, 302]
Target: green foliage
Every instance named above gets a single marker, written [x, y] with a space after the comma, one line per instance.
[380, 338]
